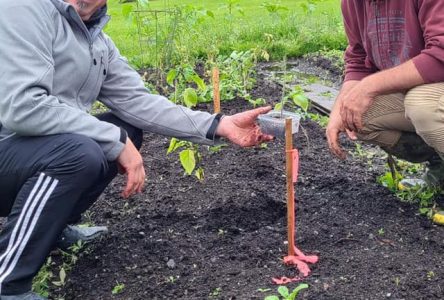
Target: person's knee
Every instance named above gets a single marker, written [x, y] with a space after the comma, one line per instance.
[422, 106]
[80, 155]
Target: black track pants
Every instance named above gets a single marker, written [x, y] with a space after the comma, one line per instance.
[45, 183]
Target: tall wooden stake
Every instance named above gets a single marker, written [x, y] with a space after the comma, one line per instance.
[216, 92]
[290, 186]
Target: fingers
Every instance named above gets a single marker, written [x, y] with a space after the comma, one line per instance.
[333, 144]
[254, 113]
[135, 182]
[130, 161]
[351, 135]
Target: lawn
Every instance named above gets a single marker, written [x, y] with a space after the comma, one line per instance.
[208, 27]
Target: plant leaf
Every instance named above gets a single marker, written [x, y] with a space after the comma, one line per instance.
[272, 298]
[62, 275]
[126, 10]
[171, 76]
[283, 291]
[188, 160]
[199, 81]
[296, 291]
[172, 146]
[190, 97]
[278, 106]
[199, 174]
[301, 101]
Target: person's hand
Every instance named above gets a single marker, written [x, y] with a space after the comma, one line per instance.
[130, 162]
[334, 128]
[242, 129]
[354, 104]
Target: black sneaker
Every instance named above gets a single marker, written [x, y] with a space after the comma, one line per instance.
[26, 296]
[72, 234]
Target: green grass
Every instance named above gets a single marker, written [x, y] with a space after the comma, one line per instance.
[292, 33]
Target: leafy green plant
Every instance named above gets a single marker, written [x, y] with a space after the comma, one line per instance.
[42, 281]
[309, 6]
[274, 8]
[318, 118]
[295, 98]
[216, 292]
[118, 288]
[180, 78]
[285, 293]
[189, 157]
[232, 6]
[422, 195]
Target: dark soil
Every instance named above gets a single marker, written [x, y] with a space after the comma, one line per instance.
[224, 238]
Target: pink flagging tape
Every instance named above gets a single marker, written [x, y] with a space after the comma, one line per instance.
[301, 261]
[295, 156]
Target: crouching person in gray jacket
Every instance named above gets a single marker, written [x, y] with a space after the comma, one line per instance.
[55, 157]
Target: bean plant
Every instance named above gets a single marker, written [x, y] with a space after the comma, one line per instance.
[285, 293]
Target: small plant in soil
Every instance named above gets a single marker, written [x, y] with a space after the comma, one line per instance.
[285, 293]
[216, 292]
[180, 78]
[118, 288]
[381, 231]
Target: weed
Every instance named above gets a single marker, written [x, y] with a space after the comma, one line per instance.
[172, 279]
[422, 195]
[320, 119]
[118, 288]
[430, 275]
[285, 293]
[381, 231]
[42, 281]
[216, 292]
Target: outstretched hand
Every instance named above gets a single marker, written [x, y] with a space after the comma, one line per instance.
[242, 129]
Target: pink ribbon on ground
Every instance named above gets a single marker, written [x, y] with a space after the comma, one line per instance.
[301, 261]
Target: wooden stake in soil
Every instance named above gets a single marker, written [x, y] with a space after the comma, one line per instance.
[290, 186]
[216, 92]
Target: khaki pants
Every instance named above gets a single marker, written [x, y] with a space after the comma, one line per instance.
[420, 110]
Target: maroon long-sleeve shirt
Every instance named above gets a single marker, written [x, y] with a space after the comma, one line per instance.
[385, 33]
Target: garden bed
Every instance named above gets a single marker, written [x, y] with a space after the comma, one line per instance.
[224, 238]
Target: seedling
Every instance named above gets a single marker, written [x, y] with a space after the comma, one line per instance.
[285, 293]
[118, 288]
[216, 292]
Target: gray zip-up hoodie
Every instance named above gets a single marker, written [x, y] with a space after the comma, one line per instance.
[52, 69]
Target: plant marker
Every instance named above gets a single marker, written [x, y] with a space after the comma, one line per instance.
[216, 92]
[295, 256]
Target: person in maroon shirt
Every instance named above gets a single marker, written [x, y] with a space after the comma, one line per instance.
[393, 91]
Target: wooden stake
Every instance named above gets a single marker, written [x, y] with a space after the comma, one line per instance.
[216, 92]
[290, 186]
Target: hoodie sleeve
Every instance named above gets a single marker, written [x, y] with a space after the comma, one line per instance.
[125, 94]
[357, 66]
[27, 106]
[430, 62]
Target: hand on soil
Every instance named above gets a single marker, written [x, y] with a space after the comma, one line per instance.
[131, 163]
[242, 129]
